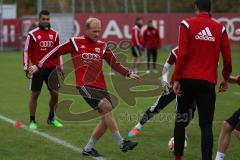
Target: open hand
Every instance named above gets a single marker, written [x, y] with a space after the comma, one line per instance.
[134, 76]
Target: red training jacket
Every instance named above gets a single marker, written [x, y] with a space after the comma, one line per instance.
[151, 38]
[38, 43]
[87, 59]
[201, 39]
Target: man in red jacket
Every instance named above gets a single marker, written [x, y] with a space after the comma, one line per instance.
[39, 42]
[201, 39]
[136, 43]
[152, 42]
[88, 54]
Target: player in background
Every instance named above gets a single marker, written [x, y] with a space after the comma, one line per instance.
[232, 124]
[136, 43]
[39, 42]
[166, 97]
[200, 41]
[151, 41]
[88, 54]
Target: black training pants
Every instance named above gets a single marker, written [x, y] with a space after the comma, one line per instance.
[204, 93]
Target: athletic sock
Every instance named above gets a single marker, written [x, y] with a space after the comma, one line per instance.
[220, 156]
[118, 138]
[32, 119]
[178, 157]
[51, 116]
[91, 143]
[138, 126]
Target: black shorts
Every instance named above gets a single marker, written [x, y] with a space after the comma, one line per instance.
[48, 75]
[93, 95]
[136, 52]
[234, 120]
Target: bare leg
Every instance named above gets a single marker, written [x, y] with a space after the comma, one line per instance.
[225, 137]
[99, 131]
[237, 133]
[107, 115]
[134, 66]
[107, 121]
[224, 140]
[136, 62]
[53, 101]
[33, 104]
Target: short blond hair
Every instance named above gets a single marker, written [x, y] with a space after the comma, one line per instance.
[91, 20]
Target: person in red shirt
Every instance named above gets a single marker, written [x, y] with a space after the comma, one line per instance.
[200, 41]
[232, 124]
[152, 42]
[39, 42]
[136, 43]
[88, 54]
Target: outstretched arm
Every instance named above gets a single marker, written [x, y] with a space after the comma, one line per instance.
[117, 66]
[53, 54]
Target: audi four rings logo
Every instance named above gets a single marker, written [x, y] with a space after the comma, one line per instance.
[230, 25]
[46, 44]
[91, 56]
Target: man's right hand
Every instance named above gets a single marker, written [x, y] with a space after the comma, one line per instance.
[33, 69]
[223, 86]
[27, 74]
[134, 76]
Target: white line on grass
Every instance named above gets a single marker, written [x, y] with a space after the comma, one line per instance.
[47, 136]
[236, 93]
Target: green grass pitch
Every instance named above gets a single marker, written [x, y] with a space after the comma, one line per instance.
[18, 144]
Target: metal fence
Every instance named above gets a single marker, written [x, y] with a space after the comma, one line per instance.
[31, 7]
[66, 10]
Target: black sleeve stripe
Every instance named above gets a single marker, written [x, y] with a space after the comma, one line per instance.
[223, 30]
[184, 26]
[31, 36]
[73, 45]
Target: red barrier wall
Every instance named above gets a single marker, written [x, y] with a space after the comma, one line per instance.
[117, 26]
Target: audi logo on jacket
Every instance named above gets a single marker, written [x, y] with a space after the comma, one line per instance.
[38, 43]
[87, 57]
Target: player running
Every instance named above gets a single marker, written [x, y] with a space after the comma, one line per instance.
[166, 97]
[39, 42]
[232, 124]
[88, 54]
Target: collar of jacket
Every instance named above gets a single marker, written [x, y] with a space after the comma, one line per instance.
[204, 15]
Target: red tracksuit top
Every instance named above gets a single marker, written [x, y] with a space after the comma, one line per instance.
[136, 37]
[151, 38]
[201, 39]
[87, 57]
[38, 43]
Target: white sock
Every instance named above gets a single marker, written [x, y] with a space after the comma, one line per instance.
[138, 126]
[118, 138]
[220, 156]
[91, 144]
